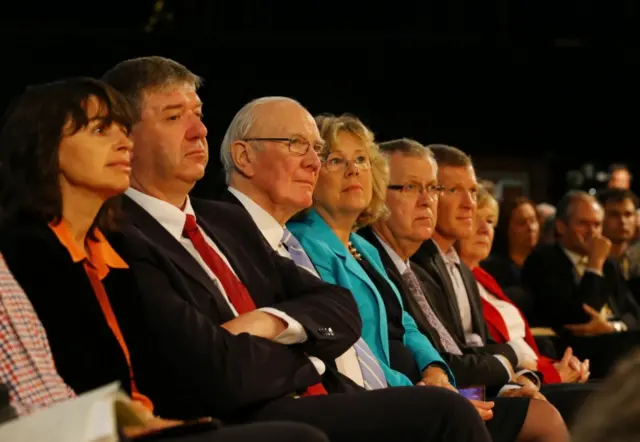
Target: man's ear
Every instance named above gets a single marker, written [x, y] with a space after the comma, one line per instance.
[244, 158]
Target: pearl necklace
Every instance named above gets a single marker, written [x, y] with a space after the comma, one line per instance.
[353, 251]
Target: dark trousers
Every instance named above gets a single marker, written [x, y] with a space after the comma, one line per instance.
[262, 432]
[401, 414]
[604, 351]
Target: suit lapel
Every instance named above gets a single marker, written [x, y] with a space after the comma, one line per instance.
[351, 265]
[149, 227]
[477, 317]
[395, 276]
[429, 258]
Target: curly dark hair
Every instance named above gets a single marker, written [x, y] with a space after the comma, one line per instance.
[29, 142]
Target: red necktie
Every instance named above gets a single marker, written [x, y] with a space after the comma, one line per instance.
[233, 287]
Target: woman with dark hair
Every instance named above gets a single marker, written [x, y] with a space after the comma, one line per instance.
[516, 236]
[65, 156]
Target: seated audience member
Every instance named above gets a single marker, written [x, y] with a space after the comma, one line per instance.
[445, 278]
[517, 235]
[619, 177]
[350, 194]
[272, 199]
[238, 331]
[411, 198]
[613, 414]
[546, 220]
[619, 226]
[75, 160]
[505, 322]
[579, 291]
[27, 367]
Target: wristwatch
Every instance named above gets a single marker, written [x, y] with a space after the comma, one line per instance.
[619, 326]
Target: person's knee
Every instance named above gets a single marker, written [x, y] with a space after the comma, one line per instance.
[554, 427]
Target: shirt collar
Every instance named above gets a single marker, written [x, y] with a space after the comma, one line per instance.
[267, 224]
[168, 215]
[397, 261]
[573, 257]
[101, 254]
[450, 257]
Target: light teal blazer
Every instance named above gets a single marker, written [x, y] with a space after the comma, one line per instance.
[336, 265]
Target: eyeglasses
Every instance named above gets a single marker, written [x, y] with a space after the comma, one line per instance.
[417, 189]
[336, 162]
[297, 145]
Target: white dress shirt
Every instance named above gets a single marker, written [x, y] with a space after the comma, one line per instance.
[452, 261]
[580, 263]
[273, 231]
[173, 220]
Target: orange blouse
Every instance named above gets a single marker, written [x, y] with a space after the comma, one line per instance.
[96, 265]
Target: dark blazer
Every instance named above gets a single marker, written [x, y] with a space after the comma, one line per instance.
[475, 366]
[437, 284]
[551, 278]
[191, 366]
[86, 353]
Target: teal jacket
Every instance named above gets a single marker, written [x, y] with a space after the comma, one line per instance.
[336, 265]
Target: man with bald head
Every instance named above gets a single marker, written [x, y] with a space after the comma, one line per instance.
[232, 329]
[273, 178]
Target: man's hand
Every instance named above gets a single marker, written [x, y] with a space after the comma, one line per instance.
[523, 392]
[484, 409]
[150, 426]
[599, 247]
[256, 323]
[597, 325]
[149, 423]
[436, 377]
[585, 371]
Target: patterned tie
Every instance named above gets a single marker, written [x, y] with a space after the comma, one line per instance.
[371, 372]
[233, 287]
[415, 289]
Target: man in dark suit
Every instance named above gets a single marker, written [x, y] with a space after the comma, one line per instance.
[579, 291]
[446, 278]
[448, 282]
[237, 330]
[412, 200]
[263, 185]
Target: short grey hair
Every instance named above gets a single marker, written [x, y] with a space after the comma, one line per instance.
[135, 76]
[405, 146]
[241, 126]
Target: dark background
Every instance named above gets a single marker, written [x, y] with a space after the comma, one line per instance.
[537, 88]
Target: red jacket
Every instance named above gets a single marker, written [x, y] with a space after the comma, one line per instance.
[498, 329]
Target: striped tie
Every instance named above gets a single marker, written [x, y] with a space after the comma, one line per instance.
[371, 372]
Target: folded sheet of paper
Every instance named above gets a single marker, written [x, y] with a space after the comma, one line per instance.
[90, 417]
